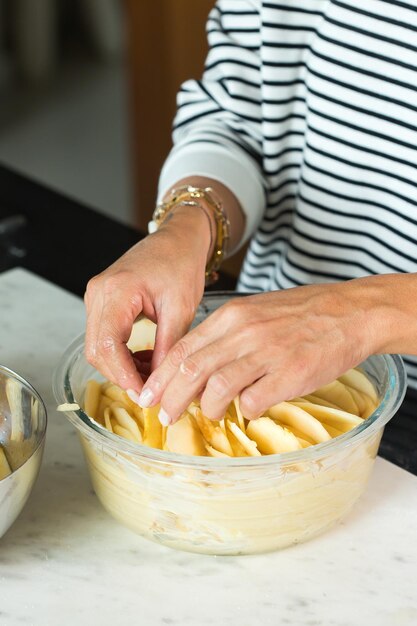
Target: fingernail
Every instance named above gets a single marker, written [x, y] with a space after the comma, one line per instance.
[146, 397]
[164, 418]
[133, 395]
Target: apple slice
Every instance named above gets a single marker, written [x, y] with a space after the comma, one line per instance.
[359, 381]
[142, 336]
[126, 421]
[5, 469]
[247, 444]
[338, 394]
[270, 437]
[92, 398]
[341, 420]
[152, 430]
[212, 433]
[300, 419]
[184, 437]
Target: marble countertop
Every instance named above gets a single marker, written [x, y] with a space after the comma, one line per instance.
[66, 561]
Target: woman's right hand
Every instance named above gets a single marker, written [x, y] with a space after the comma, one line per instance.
[162, 277]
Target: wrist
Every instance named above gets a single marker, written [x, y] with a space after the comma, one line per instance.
[195, 224]
[206, 200]
[389, 316]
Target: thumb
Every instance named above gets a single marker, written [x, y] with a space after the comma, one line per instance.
[172, 326]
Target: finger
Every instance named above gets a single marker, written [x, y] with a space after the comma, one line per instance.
[93, 301]
[95, 304]
[92, 326]
[171, 327]
[104, 370]
[208, 331]
[197, 339]
[111, 353]
[191, 378]
[271, 389]
[116, 357]
[227, 382]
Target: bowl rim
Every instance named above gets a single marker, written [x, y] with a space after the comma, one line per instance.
[31, 388]
[394, 395]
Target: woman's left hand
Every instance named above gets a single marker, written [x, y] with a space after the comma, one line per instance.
[268, 348]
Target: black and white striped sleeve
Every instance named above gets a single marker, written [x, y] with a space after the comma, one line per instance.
[217, 129]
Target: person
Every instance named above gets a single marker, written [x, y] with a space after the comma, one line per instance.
[304, 129]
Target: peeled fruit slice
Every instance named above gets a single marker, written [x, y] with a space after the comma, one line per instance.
[127, 422]
[14, 398]
[370, 406]
[68, 406]
[142, 336]
[358, 398]
[138, 415]
[215, 453]
[270, 437]
[116, 394]
[92, 398]
[222, 425]
[301, 420]
[365, 403]
[236, 414]
[5, 469]
[247, 444]
[124, 432]
[303, 442]
[337, 394]
[184, 437]
[238, 449]
[302, 437]
[152, 430]
[334, 417]
[333, 432]
[357, 379]
[214, 435]
[107, 420]
[104, 403]
[316, 400]
[221, 442]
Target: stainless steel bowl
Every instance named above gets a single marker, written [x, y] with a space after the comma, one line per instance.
[22, 437]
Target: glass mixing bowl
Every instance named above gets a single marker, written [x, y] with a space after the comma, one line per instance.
[229, 506]
[22, 435]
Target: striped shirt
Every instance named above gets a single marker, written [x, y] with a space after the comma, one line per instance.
[307, 111]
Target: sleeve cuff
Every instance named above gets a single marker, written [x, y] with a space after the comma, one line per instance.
[237, 172]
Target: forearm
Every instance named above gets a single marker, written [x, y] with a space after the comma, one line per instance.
[230, 204]
[389, 303]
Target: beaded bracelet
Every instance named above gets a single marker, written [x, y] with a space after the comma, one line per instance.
[187, 195]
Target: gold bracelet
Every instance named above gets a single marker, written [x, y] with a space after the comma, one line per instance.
[188, 195]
